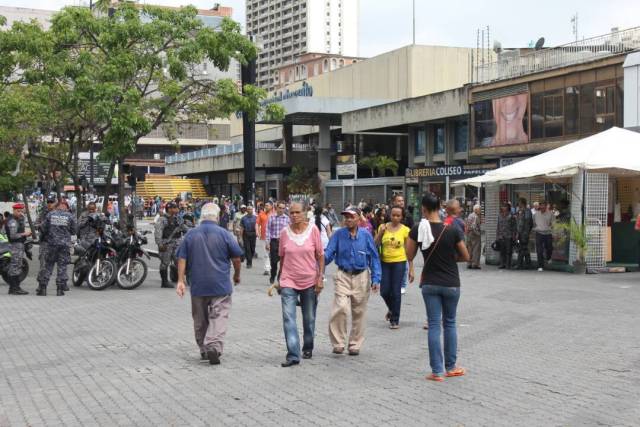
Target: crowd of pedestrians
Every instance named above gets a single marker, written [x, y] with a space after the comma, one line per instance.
[373, 249]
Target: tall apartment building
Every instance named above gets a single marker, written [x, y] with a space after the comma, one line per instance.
[286, 29]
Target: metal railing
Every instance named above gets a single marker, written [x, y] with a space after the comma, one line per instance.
[511, 64]
[219, 150]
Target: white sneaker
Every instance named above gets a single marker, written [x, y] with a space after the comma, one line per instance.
[403, 291]
[540, 269]
[425, 325]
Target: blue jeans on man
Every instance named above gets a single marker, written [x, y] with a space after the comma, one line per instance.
[393, 274]
[308, 304]
[441, 303]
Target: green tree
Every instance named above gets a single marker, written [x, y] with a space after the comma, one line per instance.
[369, 162]
[302, 181]
[385, 163]
[115, 75]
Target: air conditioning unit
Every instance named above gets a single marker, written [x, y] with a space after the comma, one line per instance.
[156, 156]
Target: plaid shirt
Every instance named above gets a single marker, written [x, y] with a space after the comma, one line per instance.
[275, 225]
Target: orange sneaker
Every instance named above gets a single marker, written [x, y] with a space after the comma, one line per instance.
[434, 377]
[456, 372]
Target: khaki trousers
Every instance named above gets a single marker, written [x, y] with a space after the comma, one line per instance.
[474, 245]
[210, 319]
[351, 296]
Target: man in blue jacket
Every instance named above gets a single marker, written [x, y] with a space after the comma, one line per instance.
[356, 256]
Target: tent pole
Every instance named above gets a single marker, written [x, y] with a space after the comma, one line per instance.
[584, 192]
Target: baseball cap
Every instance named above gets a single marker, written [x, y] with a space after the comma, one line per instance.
[51, 200]
[351, 211]
[18, 206]
[243, 207]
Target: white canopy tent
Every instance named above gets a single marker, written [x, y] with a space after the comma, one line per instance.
[615, 151]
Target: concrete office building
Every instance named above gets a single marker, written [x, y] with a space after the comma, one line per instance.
[288, 28]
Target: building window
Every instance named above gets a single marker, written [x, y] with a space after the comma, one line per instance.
[325, 65]
[572, 110]
[553, 114]
[484, 125]
[438, 139]
[461, 135]
[333, 63]
[587, 108]
[605, 107]
[420, 142]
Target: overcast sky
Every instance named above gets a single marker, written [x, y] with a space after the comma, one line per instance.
[386, 24]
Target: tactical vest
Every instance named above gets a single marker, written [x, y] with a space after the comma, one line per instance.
[172, 224]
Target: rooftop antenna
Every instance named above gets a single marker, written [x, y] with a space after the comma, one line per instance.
[574, 25]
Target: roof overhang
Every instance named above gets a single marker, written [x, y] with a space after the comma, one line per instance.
[312, 111]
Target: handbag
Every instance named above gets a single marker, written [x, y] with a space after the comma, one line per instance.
[433, 249]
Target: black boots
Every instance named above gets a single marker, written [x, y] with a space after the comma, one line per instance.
[165, 281]
[60, 291]
[41, 291]
[14, 286]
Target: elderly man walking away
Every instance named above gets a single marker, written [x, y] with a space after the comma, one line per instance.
[204, 260]
[359, 270]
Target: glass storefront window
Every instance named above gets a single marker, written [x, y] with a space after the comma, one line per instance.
[461, 135]
[420, 142]
[438, 139]
[537, 117]
[553, 115]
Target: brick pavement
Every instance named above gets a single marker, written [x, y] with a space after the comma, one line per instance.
[541, 349]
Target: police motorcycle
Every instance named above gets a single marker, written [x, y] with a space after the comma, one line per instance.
[97, 263]
[132, 269]
[179, 233]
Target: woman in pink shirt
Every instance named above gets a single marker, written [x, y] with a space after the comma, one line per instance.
[302, 263]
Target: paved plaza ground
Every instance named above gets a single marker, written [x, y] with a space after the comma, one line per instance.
[541, 349]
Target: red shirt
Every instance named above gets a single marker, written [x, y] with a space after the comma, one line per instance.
[263, 218]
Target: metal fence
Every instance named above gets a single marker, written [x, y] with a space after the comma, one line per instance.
[511, 64]
[219, 150]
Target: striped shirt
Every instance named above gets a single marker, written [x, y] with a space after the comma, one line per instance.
[275, 225]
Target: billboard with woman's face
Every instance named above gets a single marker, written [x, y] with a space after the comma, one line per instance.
[501, 121]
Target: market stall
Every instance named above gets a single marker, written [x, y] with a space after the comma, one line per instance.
[601, 177]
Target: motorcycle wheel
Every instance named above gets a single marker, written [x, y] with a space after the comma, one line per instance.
[137, 274]
[79, 274]
[173, 273]
[24, 270]
[102, 279]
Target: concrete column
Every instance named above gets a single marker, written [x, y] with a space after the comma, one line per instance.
[324, 154]
[632, 90]
[287, 142]
[398, 148]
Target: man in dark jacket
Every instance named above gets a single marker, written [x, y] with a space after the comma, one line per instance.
[58, 227]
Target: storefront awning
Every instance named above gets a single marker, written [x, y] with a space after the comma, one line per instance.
[615, 151]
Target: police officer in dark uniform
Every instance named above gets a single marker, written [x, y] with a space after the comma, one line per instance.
[166, 234]
[87, 225]
[16, 234]
[51, 204]
[58, 227]
[524, 224]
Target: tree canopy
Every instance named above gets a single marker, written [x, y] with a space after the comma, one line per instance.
[113, 75]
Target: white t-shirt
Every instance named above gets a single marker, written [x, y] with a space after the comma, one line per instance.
[324, 236]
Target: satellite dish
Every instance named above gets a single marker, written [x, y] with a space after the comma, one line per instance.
[497, 46]
[539, 43]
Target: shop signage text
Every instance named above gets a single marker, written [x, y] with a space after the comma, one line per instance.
[450, 170]
[305, 90]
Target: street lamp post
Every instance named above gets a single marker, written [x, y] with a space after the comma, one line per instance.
[249, 137]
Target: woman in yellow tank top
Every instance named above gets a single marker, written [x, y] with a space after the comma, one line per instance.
[391, 238]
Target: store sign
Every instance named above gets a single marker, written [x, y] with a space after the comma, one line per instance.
[100, 171]
[507, 161]
[306, 90]
[346, 170]
[452, 171]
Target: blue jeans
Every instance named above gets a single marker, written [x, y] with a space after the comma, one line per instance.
[441, 303]
[405, 278]
[392, 277]
[308, 304]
